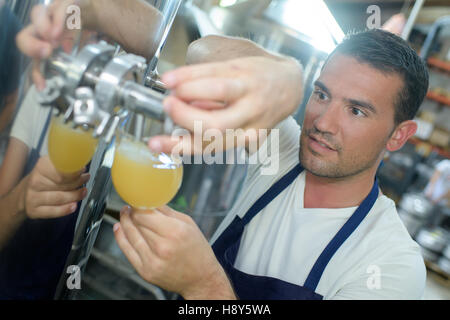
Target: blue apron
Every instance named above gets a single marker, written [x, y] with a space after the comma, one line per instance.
[252, 287]
[34, 258]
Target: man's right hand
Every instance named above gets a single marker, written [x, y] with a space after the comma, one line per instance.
[45, 33]
[50, 194]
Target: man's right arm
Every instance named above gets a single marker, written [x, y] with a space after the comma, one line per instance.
[215, 48]
[135, 25]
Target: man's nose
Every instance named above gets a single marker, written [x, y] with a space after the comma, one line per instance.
[328, 120]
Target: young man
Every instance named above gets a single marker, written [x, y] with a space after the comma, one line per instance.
[352, 118]
[320, 228]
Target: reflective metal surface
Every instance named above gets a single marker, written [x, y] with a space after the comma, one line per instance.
[95, 90]
[440, 24]
[17, 93]
[90, 217]
[93, 207]
[109, 274]
[310, 19]
[169, 10]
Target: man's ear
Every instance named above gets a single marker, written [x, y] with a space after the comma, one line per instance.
[401, 134]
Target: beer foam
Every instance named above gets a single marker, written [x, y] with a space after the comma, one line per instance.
[140, 153]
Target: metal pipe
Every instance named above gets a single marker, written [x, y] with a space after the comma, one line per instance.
[139, 99]
[412, 19]
[130, 95]
[58, 64]
[432, 34]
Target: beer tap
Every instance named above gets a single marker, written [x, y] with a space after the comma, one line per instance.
[95, 90]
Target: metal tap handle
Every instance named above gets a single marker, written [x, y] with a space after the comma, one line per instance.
[139, 99]
[52, 92]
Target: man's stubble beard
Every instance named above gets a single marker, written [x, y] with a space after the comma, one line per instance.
[351, 166]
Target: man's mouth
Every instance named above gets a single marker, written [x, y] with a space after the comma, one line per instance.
[321, 143]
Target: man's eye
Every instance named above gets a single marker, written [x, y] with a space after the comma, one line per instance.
[357, 112]
[320, 95]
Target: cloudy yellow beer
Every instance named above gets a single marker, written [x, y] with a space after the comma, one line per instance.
[70, 150]
[143, 179]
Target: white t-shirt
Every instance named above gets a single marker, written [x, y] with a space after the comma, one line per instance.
[30, 122]
[378, 261]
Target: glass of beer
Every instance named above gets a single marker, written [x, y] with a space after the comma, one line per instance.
[70, 150]
[142, 178]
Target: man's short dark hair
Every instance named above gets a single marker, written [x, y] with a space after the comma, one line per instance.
[389, 53]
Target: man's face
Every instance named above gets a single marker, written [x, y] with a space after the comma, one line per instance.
[348, 119]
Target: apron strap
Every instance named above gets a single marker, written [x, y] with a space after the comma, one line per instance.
[232, 234]
[272, 193]
[347, 229]
[44, 132]
[35, 153]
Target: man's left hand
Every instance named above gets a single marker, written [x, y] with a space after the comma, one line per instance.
[168, 249]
